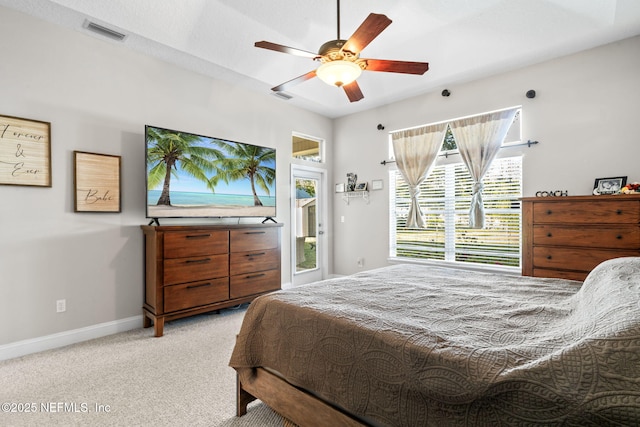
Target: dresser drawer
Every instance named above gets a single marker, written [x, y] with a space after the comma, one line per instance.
[254, 283]
[189, 295]
[195, 243]
[181, 270]
[252, 261]
[605, 212]
[578, 259]
[254, 239]
[591, 237]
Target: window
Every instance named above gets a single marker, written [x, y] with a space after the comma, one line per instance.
[306, 148]
[445, 198]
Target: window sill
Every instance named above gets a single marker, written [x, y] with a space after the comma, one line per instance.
[513, 271]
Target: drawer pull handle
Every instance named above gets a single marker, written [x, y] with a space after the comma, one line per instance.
[549, 257]
[198, 261]
[201, 285]
[549, 212]
[548, 234]
[254, 232]
[619, 237]
[619, 211]
[258, 254]
[254, 276]
[198, 236]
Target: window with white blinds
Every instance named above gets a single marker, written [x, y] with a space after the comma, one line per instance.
[445, 198]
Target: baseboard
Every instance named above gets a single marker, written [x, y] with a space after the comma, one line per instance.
[61, 339]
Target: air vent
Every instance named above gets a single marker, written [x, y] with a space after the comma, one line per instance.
[104, 31]
[282, 95]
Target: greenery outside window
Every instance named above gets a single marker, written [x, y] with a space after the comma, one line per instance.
[445, 197]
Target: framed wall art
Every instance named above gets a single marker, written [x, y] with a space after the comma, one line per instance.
[96, 182]
[609, 185]
[25, 152]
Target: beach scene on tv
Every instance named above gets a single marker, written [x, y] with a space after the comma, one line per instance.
[196, 176]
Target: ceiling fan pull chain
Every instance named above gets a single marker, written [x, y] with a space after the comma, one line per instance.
[338, 38]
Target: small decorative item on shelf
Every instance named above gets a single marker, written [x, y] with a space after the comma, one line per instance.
[361, 186]
[632, 188]
[352, 178]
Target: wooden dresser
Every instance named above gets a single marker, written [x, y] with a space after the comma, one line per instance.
[566, 237]
[199, 268]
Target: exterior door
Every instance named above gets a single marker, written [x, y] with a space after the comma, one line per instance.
[308, 213]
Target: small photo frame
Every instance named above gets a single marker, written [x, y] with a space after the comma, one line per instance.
[96, 182]
[340, 188]
[609, 185]
[376, 184]
[361, 186]
[25, 152]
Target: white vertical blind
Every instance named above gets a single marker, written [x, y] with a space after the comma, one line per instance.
[446, 197]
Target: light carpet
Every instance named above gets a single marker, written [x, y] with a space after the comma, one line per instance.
[134, 379]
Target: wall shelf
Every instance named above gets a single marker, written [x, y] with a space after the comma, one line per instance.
[347, 196]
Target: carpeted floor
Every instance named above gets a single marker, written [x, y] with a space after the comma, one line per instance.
[134, 379]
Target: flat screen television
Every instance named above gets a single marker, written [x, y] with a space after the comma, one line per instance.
[196, 176]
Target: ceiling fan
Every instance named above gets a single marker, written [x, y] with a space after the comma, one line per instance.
[341, 62]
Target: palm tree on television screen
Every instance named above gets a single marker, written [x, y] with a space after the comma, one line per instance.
[245, 161]
[169, 150]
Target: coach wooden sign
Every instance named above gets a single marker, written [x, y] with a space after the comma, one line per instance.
[25, 152]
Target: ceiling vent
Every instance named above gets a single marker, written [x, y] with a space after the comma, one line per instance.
[282, 95]
[104, 31]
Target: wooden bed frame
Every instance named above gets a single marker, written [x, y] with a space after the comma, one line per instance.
[294, 404]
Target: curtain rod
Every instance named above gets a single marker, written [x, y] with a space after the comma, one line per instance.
[529, 143]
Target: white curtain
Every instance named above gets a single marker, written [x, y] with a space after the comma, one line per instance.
[479, 139]
[415, 151]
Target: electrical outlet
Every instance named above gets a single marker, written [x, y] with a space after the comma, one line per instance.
[61, 306]
[360, 262]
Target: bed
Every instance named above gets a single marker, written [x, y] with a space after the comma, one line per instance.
[411, 345]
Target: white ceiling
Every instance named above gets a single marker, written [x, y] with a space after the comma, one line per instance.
[461, 39]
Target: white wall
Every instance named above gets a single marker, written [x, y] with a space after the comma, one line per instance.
[585, 116]
[98, 96]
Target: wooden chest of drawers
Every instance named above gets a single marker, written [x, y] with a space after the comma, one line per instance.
[195, 269]
[566, 237]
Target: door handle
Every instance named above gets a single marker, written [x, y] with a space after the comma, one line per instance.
[320, 232]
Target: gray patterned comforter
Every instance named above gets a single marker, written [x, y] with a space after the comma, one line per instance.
[411, 345]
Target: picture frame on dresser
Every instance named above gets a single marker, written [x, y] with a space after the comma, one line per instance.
[609, 185]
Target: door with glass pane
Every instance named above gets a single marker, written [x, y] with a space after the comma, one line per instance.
[307, 225]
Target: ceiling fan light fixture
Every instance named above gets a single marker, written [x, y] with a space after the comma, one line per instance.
[338, 73]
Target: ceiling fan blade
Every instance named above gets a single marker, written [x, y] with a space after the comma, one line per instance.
[406, 67]
[287, 85]
[353, 91]
[366, 32]
[285, 49]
